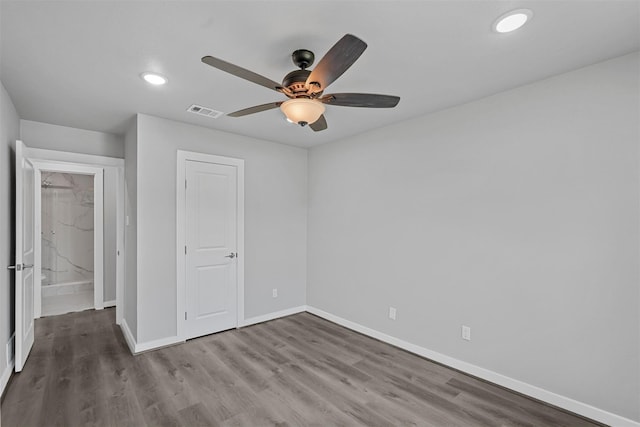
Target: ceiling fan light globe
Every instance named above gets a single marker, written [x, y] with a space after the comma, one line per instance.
[302, 110]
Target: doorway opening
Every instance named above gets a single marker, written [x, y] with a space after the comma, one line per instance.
[69, 231]
[67, 241]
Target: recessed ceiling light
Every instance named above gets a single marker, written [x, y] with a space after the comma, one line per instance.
[511, 21]
[154, 79]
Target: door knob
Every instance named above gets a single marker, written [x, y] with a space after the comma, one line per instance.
[231, 255]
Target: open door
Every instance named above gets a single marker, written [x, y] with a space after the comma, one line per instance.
[25, 251]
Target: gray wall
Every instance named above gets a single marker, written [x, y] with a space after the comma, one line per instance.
[63, 138]
[9, 132]
[516, 215]
[130, 300]
[275, 220]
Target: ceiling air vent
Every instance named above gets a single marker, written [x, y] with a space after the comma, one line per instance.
[204, 111]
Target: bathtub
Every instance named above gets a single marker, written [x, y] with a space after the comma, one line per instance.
[66, 288]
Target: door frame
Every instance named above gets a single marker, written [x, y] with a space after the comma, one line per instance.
[91, 160]
[181, 238]
[98, 227]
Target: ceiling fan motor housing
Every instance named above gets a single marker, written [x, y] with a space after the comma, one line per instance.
[295, 82]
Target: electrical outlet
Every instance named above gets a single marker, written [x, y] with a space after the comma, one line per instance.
[274, 293]
[466, 333]
[392, 313]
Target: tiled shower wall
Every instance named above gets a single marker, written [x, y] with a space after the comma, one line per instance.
[67, 228]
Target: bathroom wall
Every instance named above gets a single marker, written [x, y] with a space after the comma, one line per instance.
[67, 228]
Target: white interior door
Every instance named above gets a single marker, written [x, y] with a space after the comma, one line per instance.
[211, 248]
[25, 251]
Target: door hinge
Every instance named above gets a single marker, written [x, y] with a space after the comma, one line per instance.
[185, 315]
[185, 183]
[185, 249]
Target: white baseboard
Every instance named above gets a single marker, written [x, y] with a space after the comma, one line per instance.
[535, 392]
[271, 316]
[128, 336]
[156, 344]
[6, 376]
[136, 347]
[494, 377]
[111, 303]
[8, 371]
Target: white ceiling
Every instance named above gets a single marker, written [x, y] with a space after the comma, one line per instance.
[77, 63]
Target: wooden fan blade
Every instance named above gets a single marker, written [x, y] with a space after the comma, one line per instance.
[320, 124]
[255, 109]
[335, 62]
[367, 100]
[241, 72]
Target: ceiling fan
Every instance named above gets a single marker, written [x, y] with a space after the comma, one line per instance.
[304, 88]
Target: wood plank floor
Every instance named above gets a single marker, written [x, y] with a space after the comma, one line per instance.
[296, 371]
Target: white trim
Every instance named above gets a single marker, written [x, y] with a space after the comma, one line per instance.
[535, 392]
[181, 239]
[98, 229]
[68, 157]
[6, 376]
[128, 336]
[156, 344]
[163, 342]
[182, 157]
[120, 252]
[98, 247]
[111, 303]
[135, 347]
[485, 374]
[274, 315]
[240, 235]
[37, 264]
